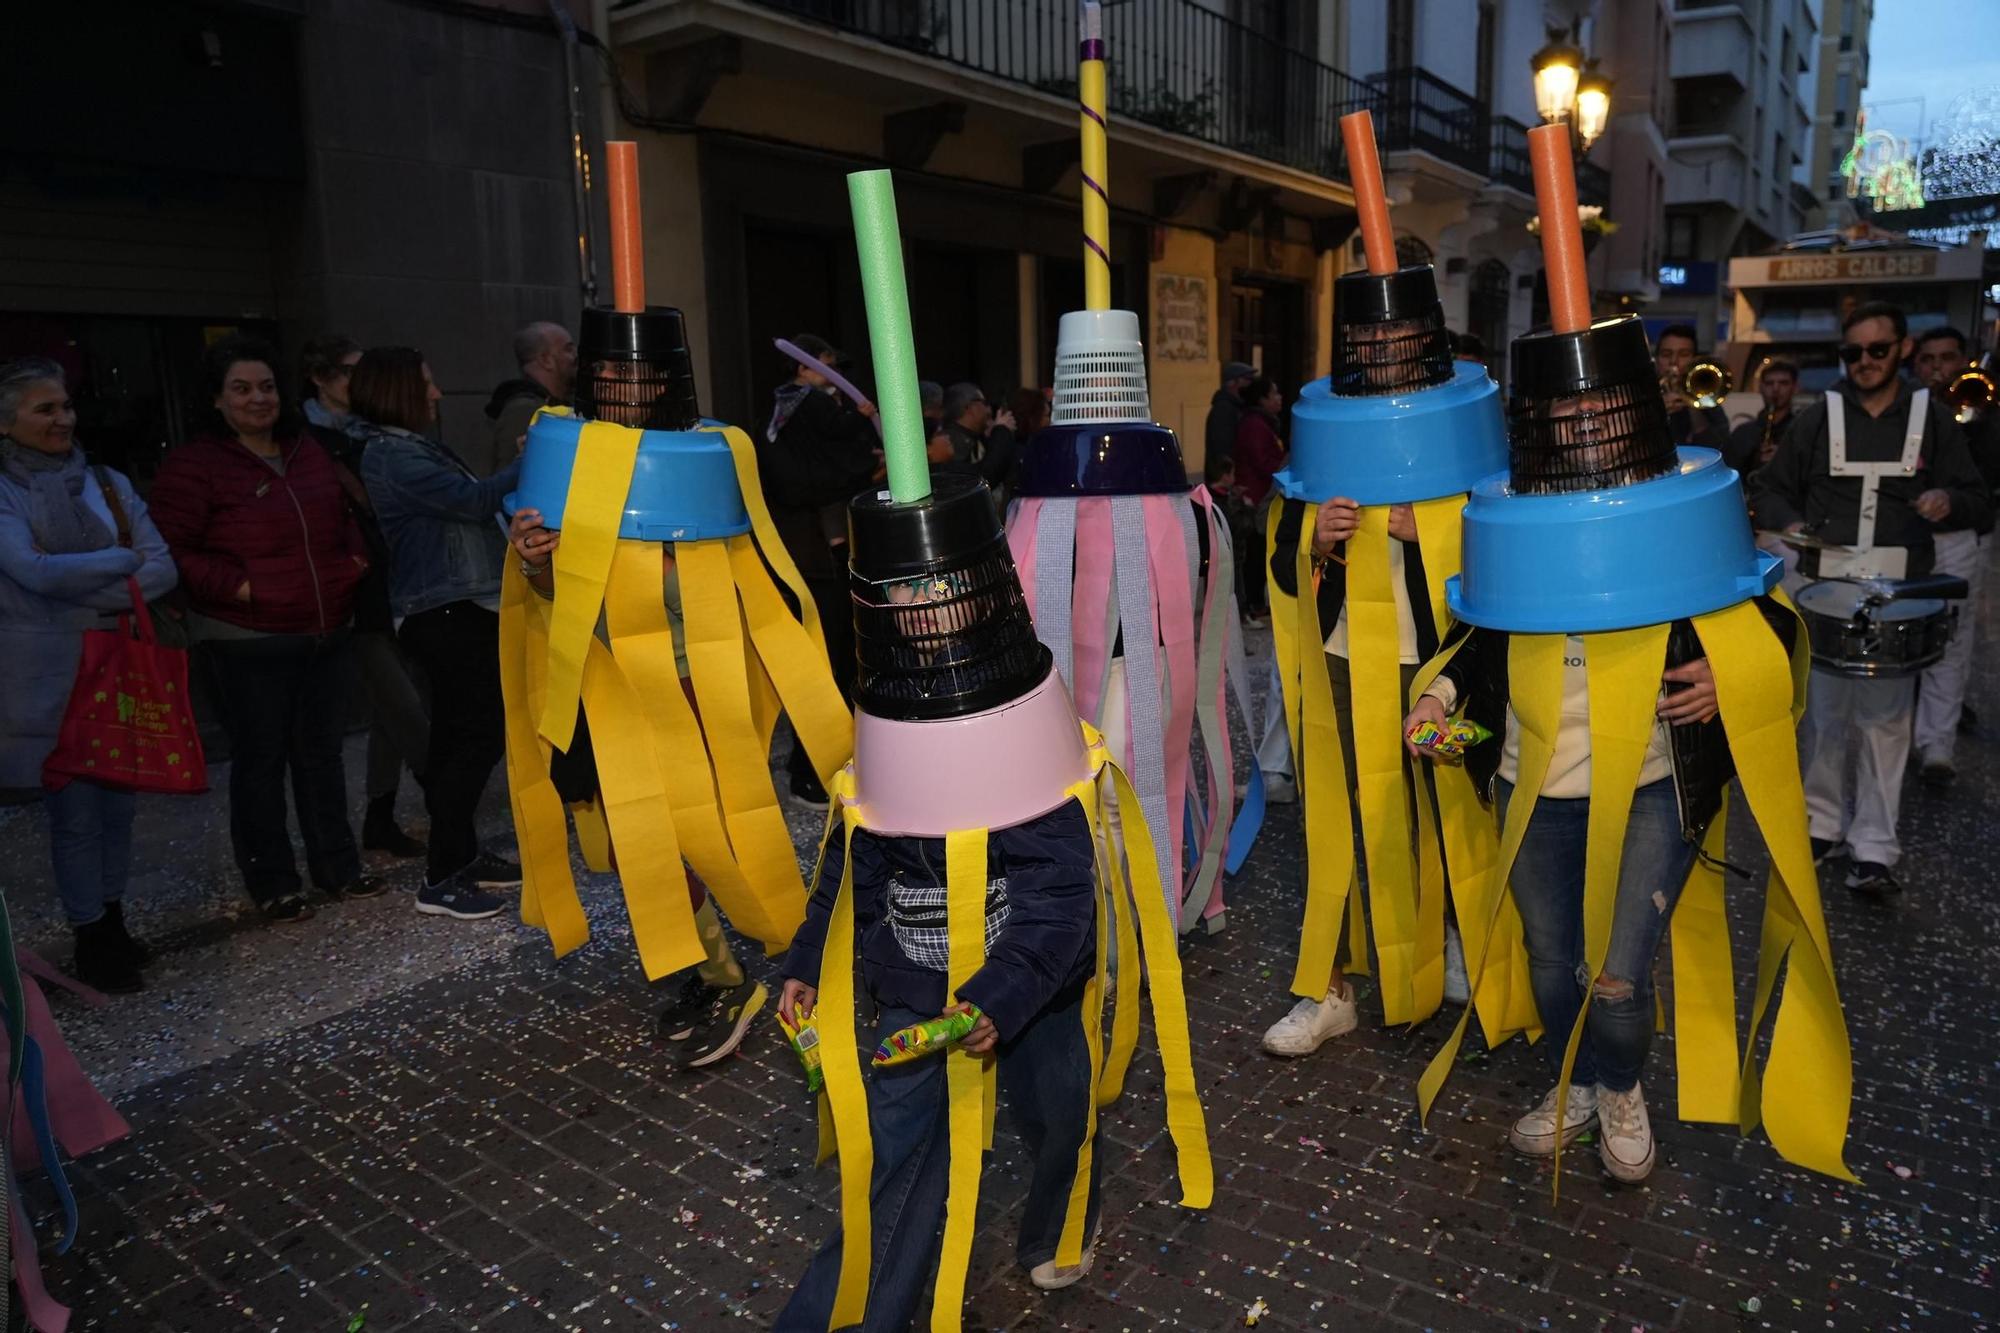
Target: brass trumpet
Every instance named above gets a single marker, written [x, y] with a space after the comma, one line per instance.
[1706, 383]
[1971, 396]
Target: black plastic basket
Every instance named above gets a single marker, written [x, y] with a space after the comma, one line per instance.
[941, 628]
[1585, 412]
[1389, 334]
[635, 370]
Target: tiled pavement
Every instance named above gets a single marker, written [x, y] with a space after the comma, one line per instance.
[471, 1136]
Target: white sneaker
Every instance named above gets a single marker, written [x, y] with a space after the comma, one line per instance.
[1457, 986]
[1050, 1278]
[1535, 1132]
[1280, 790]
[1313, 1023]
[1626, 1144]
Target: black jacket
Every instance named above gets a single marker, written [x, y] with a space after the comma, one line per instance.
[1292, 518]
[1707, 427]
[824, 454]
[1047, 950]
[1702, 763]
[1797, 485]
[1225, 412]
[1747, 441]
[371, 595]
[990, 457]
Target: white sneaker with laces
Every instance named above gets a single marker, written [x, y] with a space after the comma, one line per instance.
[1048, 1277]
[1313, 1023]
[1626, 1143]
[1457, 986]
[1535, 1133]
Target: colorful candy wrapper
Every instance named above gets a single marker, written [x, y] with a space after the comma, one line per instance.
[926, 1038]
[1449, 741]
[804, 1038]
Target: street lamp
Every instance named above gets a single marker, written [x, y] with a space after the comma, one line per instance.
[1558, 66]
[1569, 90]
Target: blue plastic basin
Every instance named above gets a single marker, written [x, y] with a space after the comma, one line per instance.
[683, 482]
[1678, 545]
[1396, 448]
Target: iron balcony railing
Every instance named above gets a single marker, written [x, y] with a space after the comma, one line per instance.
[1510, 155]
[1183, 68]
[1173, 65]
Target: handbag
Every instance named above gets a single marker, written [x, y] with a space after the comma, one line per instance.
[129, 723]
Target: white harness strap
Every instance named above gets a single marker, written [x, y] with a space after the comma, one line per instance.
[1866, 559]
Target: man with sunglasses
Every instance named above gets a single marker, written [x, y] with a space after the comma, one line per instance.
[1872, 467]
[1963, 548]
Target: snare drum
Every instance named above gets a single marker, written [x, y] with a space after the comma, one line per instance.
[1851, 637]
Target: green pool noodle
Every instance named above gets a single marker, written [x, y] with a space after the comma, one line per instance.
[880, 244]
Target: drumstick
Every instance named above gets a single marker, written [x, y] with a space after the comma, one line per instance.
[628, 251]
[1371, 201]
[1562, 236]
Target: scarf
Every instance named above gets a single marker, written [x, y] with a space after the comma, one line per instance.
[787, 400]
[62, 521]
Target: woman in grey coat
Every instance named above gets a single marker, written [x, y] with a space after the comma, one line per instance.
[63, 571]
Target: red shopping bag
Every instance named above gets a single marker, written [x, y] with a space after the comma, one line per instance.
[129, 724]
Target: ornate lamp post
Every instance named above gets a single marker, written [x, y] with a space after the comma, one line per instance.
[1570, 91]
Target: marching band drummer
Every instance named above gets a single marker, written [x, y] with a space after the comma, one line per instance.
[1871, 467]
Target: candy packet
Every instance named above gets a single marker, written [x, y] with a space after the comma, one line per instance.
[926, 1038]
[1449, 741]
[804, 1038]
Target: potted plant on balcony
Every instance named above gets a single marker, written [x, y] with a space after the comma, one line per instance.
[1590, 218]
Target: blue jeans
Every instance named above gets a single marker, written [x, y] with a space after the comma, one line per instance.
[1044, 1078]
[1548, 889]
[90, 837]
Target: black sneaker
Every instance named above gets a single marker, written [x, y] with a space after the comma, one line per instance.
[459, 898]
[488, 871]
[102, 960]
[1828, 849]
[691, 1001]
[286, 909]
[380, 833]
[141, 953]
[1938, 773]
[362, 886]
[722, 1029]
[1872, 879]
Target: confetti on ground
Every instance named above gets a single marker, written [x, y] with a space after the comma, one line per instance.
[381, 1123]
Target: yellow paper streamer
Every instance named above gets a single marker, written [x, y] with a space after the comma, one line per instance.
[1622, 668]
[1534, 669]
[1706, 1051]
[548, 885]
[591, 515]
[1322, 778]
[1375, 712]
[1760, 696]
[965, 1075]
[1805, 1101]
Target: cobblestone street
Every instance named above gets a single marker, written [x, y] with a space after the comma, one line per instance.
[377, 1121]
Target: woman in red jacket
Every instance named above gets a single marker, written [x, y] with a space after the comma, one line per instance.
[1259, 455]
[270, 552]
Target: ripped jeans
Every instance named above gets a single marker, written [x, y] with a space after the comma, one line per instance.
[1548, 889]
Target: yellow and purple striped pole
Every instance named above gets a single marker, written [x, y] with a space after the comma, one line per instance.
[1096, 158]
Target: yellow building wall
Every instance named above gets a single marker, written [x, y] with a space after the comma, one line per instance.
[1182, 383]
[671, 195]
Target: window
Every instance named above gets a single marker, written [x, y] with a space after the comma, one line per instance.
[1683, 236]
[1402, 34]
[1485, 43]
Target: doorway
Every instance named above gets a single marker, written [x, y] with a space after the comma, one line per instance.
[1267, 329]
[1486, 313]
